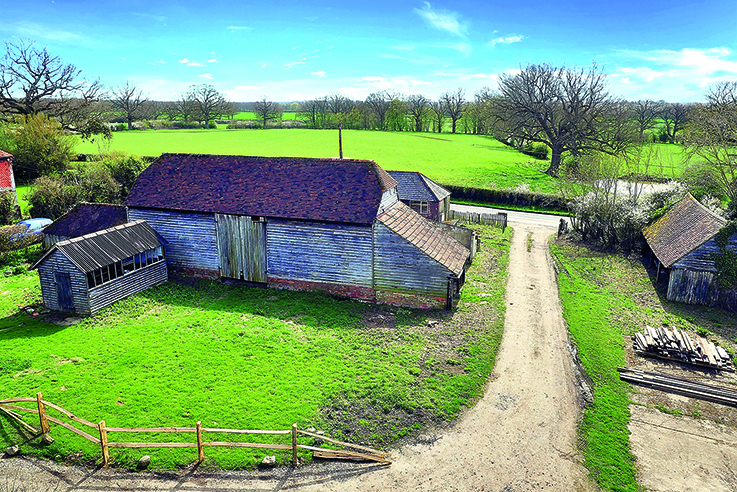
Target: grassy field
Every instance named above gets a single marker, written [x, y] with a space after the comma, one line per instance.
[22, 192]
[250, 115]
[469, 160]
[239, 357]
[606, 298]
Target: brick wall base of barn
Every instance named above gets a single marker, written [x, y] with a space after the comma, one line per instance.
[361, 293]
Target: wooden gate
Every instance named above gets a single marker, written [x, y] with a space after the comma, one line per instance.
[242, 247]
[64, 292]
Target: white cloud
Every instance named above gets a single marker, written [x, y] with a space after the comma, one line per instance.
[35, 30]
[205, 76]
[399, 83]
[212, 60]
[320, 73]
[505, 40]
[463, 48]
[442, 20]
[195, 64]
[122, 58]
[404, 48]
[158, 62]
[243, 92]
[184, 60]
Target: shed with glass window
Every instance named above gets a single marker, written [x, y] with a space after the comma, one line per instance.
[90, 272]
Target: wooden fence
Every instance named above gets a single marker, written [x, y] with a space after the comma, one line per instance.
[8, 407]
[499, 219]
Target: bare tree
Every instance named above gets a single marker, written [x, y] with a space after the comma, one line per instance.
[568, 110]
[645, 113]
[437, 110]
[129, 100]
[453, 103]
[712, 135]
[32, 81]
[208, 103]
[379, 102]
[675, 116]
[267, 110]
[418, 106]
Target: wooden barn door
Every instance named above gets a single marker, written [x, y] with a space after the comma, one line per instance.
[64, 292]
[242, 247]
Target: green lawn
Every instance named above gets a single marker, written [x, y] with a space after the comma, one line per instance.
[607, 298]
[22, 192]
[469, 160]
[239, 357]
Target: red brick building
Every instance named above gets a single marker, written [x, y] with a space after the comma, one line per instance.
[7, 182]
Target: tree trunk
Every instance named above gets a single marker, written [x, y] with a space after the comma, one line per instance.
[554, 163]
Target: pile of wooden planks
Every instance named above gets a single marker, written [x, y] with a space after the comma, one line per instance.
[680, 386]
[673, 344]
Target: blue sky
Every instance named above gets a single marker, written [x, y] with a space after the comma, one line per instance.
[296, 50]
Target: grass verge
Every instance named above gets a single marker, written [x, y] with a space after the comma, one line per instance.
[239, 357]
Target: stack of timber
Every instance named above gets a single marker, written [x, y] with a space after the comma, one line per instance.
[680, 386]
[673, 344]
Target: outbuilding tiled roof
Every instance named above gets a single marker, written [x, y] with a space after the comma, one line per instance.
[334, 190]
[685, 227]
[4, 155]
[102, 248]
[416, 186]
[426, 236]
[86, 218]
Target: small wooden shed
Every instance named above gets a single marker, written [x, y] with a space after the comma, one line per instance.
[7, 180]
[87, 273]
[422, 194]
[83, 219]
[682, 244]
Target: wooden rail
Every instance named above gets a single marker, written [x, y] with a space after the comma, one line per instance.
[679, 386]
[7, 406]
[498, 219]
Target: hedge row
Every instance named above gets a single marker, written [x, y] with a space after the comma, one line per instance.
[508, 197]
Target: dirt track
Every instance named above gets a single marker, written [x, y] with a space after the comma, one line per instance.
[521, 436]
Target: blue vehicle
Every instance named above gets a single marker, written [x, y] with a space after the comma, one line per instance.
[33, 227]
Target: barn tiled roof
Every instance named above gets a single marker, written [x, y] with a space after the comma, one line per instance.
[334, 190]
[426, 236]
[685, 227]
[86, 218]
[416, 186]
[102, 248]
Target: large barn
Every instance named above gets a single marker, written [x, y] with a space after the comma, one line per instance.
[683, 244]
[298, 223]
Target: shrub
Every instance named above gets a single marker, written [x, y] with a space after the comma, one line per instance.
[124, 168]
[52, 197]
[6, 233]
[9, 211]
[700, 179]
[39, 146]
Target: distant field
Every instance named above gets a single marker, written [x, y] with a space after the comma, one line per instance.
[250, 115]
[22, 192]
[470, 160]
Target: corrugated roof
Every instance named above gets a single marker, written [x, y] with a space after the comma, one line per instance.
[334, 190]
[86, 218]
[683, 228]
[426, 236]
[98, 249]
[414, 185]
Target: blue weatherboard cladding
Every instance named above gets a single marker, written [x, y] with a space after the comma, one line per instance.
[122, 287]
[319, 252]
[58, 262]
[399, 266]
[192, 241]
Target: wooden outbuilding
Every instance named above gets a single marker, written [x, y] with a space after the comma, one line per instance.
[682, 244]
[422, 194]
[335, 225]
[83, 219]
[87, 273]
[7, 180]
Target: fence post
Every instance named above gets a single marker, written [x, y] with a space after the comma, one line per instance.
[200, 449]
[103, 443]
[42, 414]
[294, 444]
